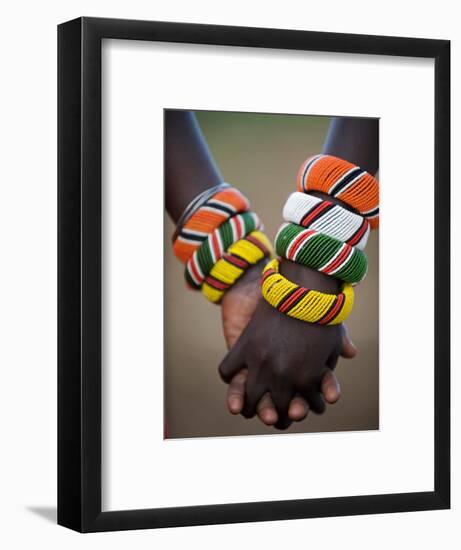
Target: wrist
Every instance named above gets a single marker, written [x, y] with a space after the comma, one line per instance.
[251, 276]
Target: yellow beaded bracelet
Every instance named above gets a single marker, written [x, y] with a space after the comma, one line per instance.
[302, 303]
[233, 264]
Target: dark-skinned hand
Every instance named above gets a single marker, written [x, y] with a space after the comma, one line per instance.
[251, 382]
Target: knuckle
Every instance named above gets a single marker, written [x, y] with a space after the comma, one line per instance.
[223, 371]
[240, 378]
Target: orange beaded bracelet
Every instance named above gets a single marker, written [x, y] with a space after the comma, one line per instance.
[218, 208]
[345, 181]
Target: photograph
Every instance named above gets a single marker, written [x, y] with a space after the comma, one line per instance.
[242, 334]
[271, 259]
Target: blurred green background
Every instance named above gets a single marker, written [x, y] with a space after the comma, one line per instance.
[260, 154]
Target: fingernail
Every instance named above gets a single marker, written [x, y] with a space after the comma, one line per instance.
[234, 405]
[270, 417]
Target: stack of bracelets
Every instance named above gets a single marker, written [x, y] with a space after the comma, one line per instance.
[218, 238]
[324, 236]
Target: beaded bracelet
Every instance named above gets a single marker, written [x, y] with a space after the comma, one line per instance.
[302, 303]
[212, 249]
[343, 180]
[195, 204]
[328, 218]
[233, 264]
[206, 217]
[321, 252]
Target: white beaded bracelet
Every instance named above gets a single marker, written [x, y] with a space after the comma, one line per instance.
[328, 218]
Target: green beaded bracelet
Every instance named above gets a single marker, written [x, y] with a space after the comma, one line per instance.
[211, 250]
[321, 252]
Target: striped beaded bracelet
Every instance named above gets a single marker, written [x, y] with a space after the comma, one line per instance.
[212, 249]
[225, 202]
[233, 264]
[302, 303]
[345, 181]
[321, 252]
[328, 218]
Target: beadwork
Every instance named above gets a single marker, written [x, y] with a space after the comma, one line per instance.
[343, 180]
[321, 252]
[302, 303]
[328, 218]
[233, 264]
[212, 249]
[216, 210]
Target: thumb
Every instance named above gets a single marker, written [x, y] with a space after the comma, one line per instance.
[232, 363]
[348, 347]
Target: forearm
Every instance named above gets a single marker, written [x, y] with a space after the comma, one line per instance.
[189, 165]
[354, 140]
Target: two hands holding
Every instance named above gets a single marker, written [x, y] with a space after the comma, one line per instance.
[278, 368]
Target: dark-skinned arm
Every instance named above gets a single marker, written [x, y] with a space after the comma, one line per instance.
[284, 356]
[355, 140]
[189, 166]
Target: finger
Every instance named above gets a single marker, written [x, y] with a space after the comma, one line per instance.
[330, 387]
[298, 408]
[332, 361]
[283, 423]
[282, 400]
[316, 401]
[348, 347]
[232, 363]
[254, 390]
[266, 410]
[236, 392]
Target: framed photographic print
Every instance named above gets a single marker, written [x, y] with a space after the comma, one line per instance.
[254, 274]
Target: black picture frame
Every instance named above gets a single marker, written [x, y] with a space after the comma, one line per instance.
[79, 274]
